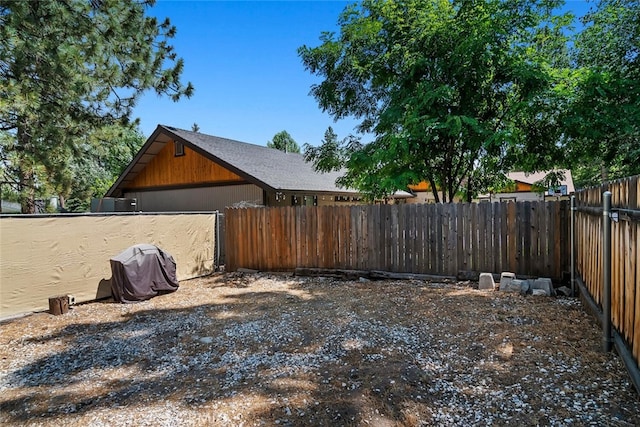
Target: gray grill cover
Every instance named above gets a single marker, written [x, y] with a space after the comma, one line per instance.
[142, 272]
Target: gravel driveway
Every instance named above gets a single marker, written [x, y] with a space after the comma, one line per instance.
[246, 350]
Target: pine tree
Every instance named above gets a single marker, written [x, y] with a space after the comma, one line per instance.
[70, 67]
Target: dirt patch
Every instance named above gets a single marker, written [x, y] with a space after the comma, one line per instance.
[250, 350]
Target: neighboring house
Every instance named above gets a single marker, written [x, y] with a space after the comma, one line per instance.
[10, 207]
[423, 194]
[526, 187]
[180, 170]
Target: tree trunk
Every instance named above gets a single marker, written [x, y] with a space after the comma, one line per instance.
[434, 190]
[27, 189]
[604, 172]
[26, 173]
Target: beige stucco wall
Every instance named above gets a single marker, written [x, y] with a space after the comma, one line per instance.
[41, 257]
[427, 197]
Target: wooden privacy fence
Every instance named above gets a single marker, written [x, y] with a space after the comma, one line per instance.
[625, 253]
[528, 238]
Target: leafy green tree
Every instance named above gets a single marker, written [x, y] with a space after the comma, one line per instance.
[603, 116]
[330, 155]
[284, 142]
[69, 67]
[453, 91]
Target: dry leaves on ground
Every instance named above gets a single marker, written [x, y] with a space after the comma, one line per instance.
[263, 349]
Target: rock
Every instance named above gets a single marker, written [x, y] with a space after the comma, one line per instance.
[505, 279]
[564, 291]
[513, 285]
[539, 292]
[486, 282]
[363, 280]
[545, 284]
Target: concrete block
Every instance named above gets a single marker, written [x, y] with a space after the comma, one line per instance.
[539, 292]
[545, 284]
[513, 285]
[486, 282]
[505, 279]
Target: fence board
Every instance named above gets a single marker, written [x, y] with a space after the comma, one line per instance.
[535, 238]
[625, 254]
[512, 237]
[428, 231]
[312, 223]
[636, 328]
[330, 233]
[494, 246]
[526, 234]
[431, 239]
[546, 230]
[630, 281]
[473, 238]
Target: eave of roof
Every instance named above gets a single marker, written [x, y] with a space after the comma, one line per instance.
[268, 168]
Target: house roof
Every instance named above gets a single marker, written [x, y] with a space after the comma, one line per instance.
[532, 178]
[268, 168]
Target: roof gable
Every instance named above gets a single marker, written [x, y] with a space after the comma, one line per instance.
[269, 168]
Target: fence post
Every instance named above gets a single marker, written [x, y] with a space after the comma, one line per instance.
[606, 271]
[216, 261]
[573, 246]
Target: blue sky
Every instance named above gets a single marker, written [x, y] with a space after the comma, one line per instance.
[241, 56]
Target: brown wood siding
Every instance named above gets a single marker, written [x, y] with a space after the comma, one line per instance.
[167, 170]
[523, 186]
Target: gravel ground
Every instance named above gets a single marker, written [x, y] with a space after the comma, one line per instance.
[246, 350]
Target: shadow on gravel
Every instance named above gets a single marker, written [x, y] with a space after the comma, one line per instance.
[327, 354]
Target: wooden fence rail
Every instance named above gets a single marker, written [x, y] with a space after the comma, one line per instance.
[625, 254]
[527, 238]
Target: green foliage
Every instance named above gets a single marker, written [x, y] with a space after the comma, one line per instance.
[284, 142]
[455, 92]
[100, 157]
[330, 156]
[107, 152]
[69, 68]
[603, 116]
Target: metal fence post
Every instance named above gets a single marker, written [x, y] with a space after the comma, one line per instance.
[573, 246]
[607, 340]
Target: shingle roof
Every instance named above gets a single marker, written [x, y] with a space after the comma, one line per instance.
[275, 168]
[266, 167]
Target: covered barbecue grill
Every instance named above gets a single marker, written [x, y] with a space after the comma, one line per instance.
[141, 272]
